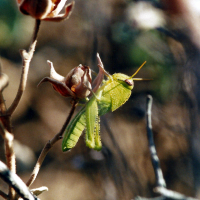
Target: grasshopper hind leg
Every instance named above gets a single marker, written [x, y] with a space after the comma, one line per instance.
[98, 145]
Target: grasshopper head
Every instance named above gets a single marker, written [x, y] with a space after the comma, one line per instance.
[123, 79]
[128, 81]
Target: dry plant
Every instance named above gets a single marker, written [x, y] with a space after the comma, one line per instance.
[48, 10]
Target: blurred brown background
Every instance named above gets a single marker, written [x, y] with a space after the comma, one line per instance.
[126, 33]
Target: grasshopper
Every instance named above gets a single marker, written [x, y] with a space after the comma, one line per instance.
[107, 95]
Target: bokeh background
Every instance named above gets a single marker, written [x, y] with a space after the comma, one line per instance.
[126, 33]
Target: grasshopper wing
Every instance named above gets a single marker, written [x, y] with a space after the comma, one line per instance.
[119, 95]
[74, 131]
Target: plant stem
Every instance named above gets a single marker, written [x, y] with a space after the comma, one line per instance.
[160, 181]
[15, 182]
[2, 104]
[5, 196]
[49, 145]
[9, 152]
[6, 114]
[26, 59]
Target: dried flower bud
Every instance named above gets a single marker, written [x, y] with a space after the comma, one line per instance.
[79, 80]
[76, 84]
[45, 9]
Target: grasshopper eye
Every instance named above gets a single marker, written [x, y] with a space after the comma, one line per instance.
[129, 82]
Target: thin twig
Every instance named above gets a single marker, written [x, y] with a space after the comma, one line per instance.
[171, 194]
[26, 57]
[6, 117]
[10, 156]
[9, 153]
[2, 104]
[4, 83]
[4, 195]
[49, 145]
[14, 181]
[154, 158]
[40, 190]
[155, 198]
[160, 182]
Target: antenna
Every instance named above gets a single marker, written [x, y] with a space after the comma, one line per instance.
[138, 70]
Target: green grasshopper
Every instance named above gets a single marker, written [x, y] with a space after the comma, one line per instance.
[112, 94]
